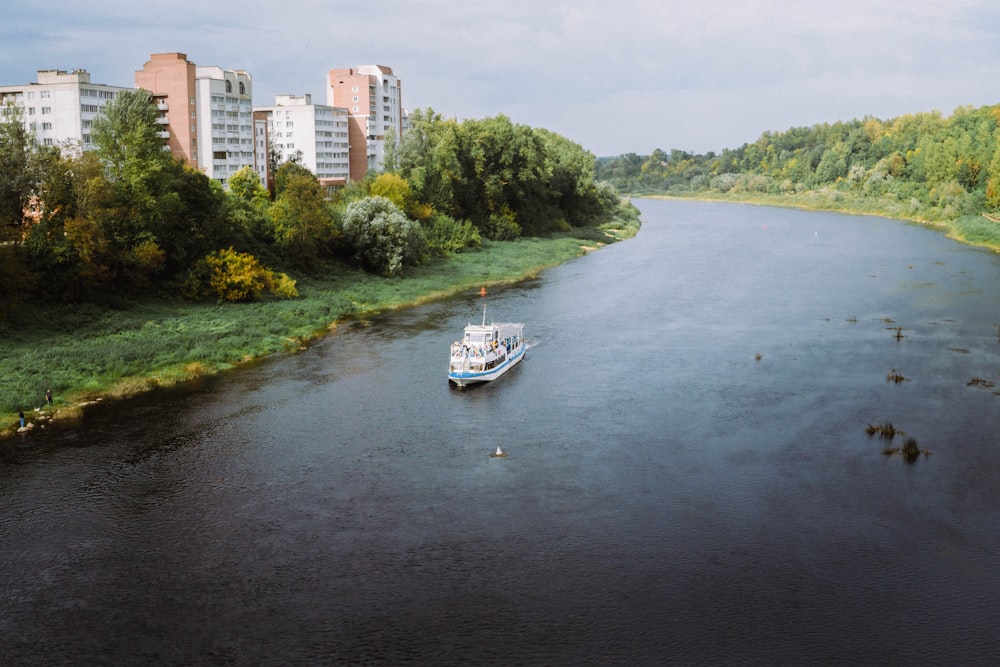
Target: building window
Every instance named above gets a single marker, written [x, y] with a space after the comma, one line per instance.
[243, 89]
[46, 110]
[46, 126]
[354, 89]
[354, 99]
[44, 94]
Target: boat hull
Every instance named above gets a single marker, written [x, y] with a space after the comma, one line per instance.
[464, 378]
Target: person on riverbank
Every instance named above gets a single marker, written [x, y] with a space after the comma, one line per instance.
[21, 415]
[48, 396]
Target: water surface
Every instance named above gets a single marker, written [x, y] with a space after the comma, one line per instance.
[689, 479]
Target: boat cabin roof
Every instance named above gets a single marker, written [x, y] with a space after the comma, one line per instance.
[478, 333]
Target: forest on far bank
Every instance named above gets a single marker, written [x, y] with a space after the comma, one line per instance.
[127, 221]
[922, 166]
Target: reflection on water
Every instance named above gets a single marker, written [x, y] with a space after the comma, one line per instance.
[688, 477]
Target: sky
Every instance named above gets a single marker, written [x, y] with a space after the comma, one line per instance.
[615, 76]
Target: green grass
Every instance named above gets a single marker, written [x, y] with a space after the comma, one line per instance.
[977, 230]
[81, 352]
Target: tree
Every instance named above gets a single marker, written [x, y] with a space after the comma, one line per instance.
[301, 219]
[18, 170]
[831, 167]
[245, 184]
[382, 238]
[396, 189]
[125, 136]
[286, 171]
[428, 157]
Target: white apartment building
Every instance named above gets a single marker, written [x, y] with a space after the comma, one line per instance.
[61, 106]
[225, 126]
[315, 135]
[260, 144]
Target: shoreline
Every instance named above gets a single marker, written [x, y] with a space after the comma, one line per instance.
[946, 226]
[408, 292]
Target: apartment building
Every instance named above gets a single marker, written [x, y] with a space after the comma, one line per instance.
[225, 121]
[261, 144]
[372, 94]
[60, 107]
[315, 135]
[207, 113]
[170, 78]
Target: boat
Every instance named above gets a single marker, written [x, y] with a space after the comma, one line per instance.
[485, 352]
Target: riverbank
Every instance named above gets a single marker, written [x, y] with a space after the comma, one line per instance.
[84, 353]
[981, 231]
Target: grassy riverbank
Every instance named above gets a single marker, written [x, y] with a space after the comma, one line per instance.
[85, 352]
[972, 230]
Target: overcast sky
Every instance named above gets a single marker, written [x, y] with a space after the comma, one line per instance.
[615, 76]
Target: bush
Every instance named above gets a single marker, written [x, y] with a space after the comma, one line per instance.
[236, 276]
[502, 227]
[382, 238]
[446, 235]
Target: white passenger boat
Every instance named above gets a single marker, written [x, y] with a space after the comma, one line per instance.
[486, 352]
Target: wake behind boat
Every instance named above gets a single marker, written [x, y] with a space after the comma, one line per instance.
[486, 352]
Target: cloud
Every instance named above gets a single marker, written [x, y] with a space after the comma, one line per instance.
[616, 77]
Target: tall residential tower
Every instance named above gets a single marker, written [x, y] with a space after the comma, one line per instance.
[207, 113]
[373, 98]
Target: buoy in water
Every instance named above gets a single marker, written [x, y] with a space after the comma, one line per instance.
[499, 453]
[482, 291]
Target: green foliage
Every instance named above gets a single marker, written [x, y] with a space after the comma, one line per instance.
[978, 230]
[236, 277]
[382, 239]
[126, 141]
[303, 224]
[126, 219]
[923, 166]
[15, 279]
[19, 174]
[446, 235]
[245, 186]
[507, 179]
[502, 226]
[289, 171]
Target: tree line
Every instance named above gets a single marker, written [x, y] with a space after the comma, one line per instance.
[127, 219]
[936, 167]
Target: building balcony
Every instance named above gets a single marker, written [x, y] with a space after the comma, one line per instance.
[163, 134]
[162, 106]
[162, 120]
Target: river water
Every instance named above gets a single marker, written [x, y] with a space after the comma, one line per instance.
[689, 479]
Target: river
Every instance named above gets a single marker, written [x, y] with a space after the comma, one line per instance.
[689, 479]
